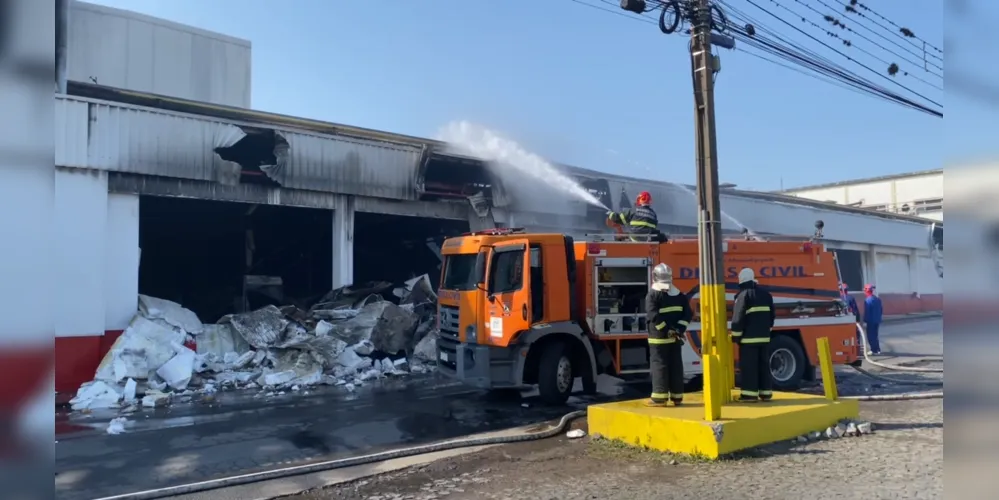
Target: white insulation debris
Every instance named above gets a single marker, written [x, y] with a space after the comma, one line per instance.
[352, 335]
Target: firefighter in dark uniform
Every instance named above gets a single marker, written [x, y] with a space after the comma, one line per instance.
[752, 319]
[668, 312]
[641, 220]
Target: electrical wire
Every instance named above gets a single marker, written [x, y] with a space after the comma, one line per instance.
[837, 22]
[850, 44]
[868, 68]
[617, 12]
[908, 47]
[811, 60]
[855, 7]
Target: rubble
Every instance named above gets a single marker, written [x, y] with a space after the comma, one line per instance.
[350, 336]
[117, 425]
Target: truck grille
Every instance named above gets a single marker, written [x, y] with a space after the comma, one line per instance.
[449, 323]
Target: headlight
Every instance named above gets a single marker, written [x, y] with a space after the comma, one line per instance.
[471, 335]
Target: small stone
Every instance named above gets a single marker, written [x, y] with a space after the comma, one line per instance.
[851, 429]
[575, 434]
[834, 432]
[865, 427]
[596, 436]
[801, 439]
[672, 462]
[815, 435]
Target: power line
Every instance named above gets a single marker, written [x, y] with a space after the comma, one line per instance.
[840, 24]
[789, 51]
[797, 58]
[855, 7]
[617, 12]
[891, 66]
[837, 74]
[868, 68]
[908, 47]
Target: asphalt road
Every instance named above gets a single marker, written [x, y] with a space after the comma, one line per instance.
[238, 434]
[235, 433]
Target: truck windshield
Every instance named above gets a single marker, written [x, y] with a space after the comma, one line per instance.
[459, 272]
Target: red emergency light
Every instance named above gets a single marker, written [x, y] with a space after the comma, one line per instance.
[593, 248]
[806, 247]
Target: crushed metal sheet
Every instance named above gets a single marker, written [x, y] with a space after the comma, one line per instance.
[261, 328]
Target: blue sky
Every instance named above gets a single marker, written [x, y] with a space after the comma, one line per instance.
[579, 85]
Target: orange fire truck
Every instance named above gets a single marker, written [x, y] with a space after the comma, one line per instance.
[517, 309]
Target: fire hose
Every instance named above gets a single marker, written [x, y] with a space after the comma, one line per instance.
[254, 477]
[867, 357]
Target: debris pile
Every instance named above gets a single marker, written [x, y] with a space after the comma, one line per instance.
[352, 335]
[844, 428]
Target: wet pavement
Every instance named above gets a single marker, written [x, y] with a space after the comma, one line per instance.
[236, 433]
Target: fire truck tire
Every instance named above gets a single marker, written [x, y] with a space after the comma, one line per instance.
[787, 363]
[555, 373]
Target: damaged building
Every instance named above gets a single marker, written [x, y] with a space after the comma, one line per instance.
[172, 191]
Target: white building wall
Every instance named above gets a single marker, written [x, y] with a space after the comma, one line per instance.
[929, 281]
[122, 253]
[892, 273]
[892, 194]
[128, 50]
[81, 206]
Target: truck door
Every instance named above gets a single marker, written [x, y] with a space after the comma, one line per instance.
[508, 307]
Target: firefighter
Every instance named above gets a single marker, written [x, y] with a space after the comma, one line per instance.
[641, 220]
[668, 313]
[753, 317]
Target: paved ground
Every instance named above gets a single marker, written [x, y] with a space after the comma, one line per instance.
[902, 459]
[235, 434]
[224, 438]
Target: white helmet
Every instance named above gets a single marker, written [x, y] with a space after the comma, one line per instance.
[662, 274]
[747, 275]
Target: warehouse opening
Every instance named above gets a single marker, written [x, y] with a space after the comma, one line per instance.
[396, 248]
[217, 258]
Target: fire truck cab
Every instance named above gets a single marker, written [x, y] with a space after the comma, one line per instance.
[517, 309]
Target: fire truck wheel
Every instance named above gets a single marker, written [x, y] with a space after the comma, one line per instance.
[555, 378]
[787, 363]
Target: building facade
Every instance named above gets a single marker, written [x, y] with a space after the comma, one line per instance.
[917, 193]
[180, 192]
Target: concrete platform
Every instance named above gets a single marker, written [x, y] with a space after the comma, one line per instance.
[742, 426]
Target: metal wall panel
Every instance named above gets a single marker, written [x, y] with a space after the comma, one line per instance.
[126, 139]
[123, 138]
[71, 133]
[137, 52]
[349, 166]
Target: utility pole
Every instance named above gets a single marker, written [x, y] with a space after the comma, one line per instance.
[716, 345]
[715, 342]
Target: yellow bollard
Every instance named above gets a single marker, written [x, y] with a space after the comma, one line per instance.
[712, 386]
[828, 375]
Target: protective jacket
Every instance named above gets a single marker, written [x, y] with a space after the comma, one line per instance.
[753, 315]
[639, 220]
[668, 312]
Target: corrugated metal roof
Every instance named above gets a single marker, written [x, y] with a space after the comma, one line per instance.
[660, 190]
[142, 140]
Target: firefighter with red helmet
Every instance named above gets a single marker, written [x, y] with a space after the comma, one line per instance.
[641, 220]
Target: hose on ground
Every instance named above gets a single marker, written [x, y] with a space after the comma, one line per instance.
[867, 357]
[898, 380]
[225, 482]
[911, 396]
